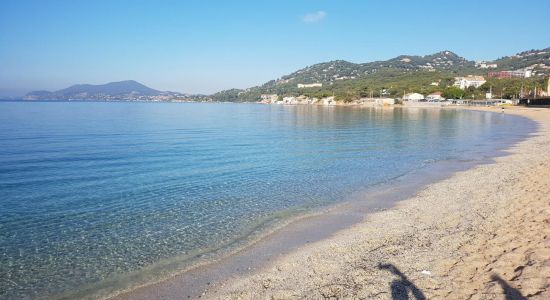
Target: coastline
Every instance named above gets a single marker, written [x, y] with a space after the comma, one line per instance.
[332, 264]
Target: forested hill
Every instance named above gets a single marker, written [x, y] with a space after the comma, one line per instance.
[341, 70]
[348, 80]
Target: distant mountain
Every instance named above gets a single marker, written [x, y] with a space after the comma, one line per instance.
[122, 90]
[399, 71]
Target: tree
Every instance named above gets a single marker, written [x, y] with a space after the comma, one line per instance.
[453, 92]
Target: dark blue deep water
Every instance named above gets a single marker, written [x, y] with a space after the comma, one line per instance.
[91, 192]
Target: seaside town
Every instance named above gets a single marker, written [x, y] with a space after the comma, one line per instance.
[536, 95]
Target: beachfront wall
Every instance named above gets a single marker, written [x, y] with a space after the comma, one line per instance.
[544, 101]
[492, 102]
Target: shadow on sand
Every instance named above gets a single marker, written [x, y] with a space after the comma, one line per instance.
[401, 287]
[510, 292]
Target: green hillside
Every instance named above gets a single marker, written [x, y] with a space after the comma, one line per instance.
[406, 73]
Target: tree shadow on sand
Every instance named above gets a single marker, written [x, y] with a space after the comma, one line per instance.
[401, 287]
[510, 292]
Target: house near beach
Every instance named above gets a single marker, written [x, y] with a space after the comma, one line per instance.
[436, 96]
[468, 81]
[413, 97]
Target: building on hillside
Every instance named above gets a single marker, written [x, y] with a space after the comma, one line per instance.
[485, 65]
[413, 97]
[434, 97]
[468, 81]
[309, 85]
[511, 74]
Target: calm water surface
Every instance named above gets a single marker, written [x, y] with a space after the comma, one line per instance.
[92, 192]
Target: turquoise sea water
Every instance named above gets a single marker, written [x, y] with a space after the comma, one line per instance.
[90, 192]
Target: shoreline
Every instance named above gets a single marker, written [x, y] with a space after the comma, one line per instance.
[208, 283]
[292, 234]
[464, 248]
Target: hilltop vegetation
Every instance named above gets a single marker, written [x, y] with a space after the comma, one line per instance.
[394, 77]
[532, 58]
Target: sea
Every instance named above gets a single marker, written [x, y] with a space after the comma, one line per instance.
[96, 197]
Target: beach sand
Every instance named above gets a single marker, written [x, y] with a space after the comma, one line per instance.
[482, 233]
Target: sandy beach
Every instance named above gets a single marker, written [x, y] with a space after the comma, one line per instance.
[482, 233]
[262, 150]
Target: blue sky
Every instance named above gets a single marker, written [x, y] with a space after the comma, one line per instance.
[207, 46]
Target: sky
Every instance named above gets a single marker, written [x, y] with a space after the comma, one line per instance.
[208, 46]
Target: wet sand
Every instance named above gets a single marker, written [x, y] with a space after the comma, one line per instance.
[477, 233]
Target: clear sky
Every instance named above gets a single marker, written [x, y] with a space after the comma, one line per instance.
[206, 46]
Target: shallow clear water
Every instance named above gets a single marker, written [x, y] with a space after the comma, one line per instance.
[92, 191]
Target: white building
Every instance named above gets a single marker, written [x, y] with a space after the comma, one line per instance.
[485, 65]
[434, 97]
[413, 97]
[522, 73]
[309, 85]
[468, 81]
